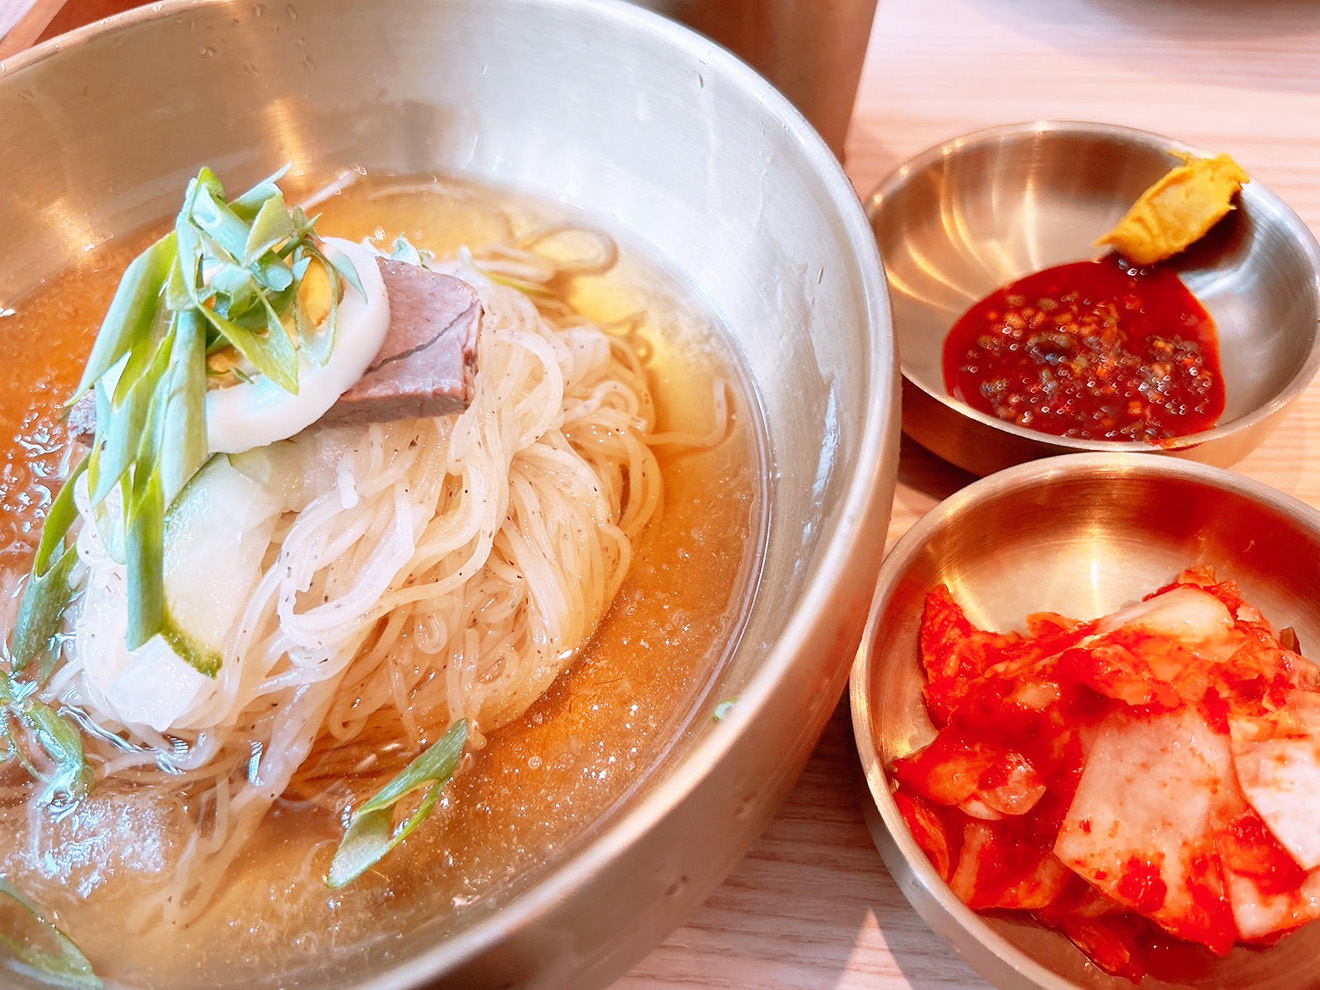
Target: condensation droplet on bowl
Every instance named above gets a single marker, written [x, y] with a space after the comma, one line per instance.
[208, 51]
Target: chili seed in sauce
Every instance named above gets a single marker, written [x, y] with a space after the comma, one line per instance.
[1095, 350]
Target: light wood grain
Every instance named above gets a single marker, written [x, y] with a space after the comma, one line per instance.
[811, 907]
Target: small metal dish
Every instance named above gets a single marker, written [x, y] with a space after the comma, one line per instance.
[606, 110]
[1080, 535]
[962, 219]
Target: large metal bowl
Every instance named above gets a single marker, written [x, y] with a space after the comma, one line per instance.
[662, 137]
[1080, 535]
[961, 219]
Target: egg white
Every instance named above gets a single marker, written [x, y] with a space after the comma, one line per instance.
[257, 413]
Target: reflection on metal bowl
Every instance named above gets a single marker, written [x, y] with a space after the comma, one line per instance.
[660, 136]
[960, 220]
[1080, 535]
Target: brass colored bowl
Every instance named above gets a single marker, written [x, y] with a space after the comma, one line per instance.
[1080, 535]
[962, 219]
[659, 135]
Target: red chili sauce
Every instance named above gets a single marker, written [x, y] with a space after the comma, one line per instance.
[1097, 350]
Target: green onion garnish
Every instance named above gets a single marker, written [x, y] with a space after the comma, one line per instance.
[404, 250]
[57, 735]
[37, 945]
[34, 651]
[371, 831]
[226, 276]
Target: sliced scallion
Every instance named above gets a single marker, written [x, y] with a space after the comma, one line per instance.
[47, 592]
[226, 276]
[38, 945]
[371, 831]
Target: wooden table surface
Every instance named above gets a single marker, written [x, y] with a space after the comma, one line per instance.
[811, 907]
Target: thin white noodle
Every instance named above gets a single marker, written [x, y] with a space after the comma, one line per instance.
[701, 441]
[449, 568]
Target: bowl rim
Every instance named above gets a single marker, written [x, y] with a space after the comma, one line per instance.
[1300, 232]
[867, 491]
[967, 931]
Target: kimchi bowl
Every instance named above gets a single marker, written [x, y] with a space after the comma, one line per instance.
[1083, 536]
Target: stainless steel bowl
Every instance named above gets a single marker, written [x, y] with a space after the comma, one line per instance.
[662, 137]
[960, 220]
[1080, 535]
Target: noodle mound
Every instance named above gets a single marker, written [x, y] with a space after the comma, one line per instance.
[419, 572]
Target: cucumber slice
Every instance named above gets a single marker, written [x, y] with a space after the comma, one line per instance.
[216, 534]
[297, 470]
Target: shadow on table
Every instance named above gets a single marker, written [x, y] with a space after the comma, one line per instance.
[811, 907]
[933, 476]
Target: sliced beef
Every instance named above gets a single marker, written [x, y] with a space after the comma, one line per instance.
[425, 367]
[427, 363]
